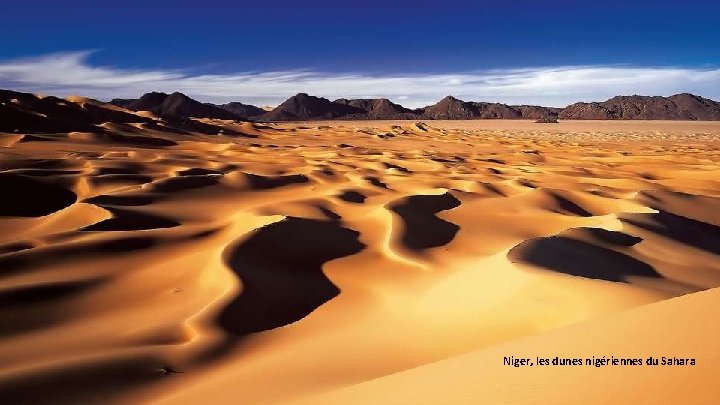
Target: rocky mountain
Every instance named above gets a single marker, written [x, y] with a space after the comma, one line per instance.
[678, 107]
[451, 108]
[241, 110]
[534, 112]
[176, 105]
[305, 107]
[498, 111]
[379, 108]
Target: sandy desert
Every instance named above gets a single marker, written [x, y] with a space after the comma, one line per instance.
[358, 261]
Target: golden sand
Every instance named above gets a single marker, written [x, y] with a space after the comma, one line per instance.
[361, 262]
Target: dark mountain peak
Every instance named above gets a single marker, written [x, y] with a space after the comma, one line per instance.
[451, 99]
[146, 102]
[303, 106]
[178, 96]
[153, 97]
[377, 108]
[687, 95]
[306, 98]
[691, 97]
[242, 110]
[304, 101]
[179, 101]
[177, 105]
[451, 108]
[384, 108]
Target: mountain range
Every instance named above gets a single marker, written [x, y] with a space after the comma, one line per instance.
[303, 107]
[31, 113]
[678, 107]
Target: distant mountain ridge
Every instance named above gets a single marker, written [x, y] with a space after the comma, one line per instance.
[451, 108]
[241, 110]
[682, 106]
[176, 105]
[379, 108]
[305, 107]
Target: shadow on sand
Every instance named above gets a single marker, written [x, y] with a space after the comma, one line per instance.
[280, 267]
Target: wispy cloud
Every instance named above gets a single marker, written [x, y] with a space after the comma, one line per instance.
[72, 73]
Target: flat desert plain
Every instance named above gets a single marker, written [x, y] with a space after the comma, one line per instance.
[360, 262]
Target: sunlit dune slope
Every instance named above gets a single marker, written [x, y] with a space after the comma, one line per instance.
[674, 332]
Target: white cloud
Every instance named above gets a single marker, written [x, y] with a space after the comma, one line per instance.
[71, 73]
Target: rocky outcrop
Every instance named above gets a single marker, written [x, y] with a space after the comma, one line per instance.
[175, 105]
[305, 107]
[241, 110]
[379, 109]
[451, 108]
[534, 112]
[678, 107]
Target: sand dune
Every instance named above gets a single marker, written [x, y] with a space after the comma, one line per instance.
[481, 376]
[212, 261]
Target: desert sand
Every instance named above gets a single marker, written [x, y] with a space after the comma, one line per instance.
[359, 262]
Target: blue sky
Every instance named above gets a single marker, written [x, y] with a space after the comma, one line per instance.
[552, 52]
